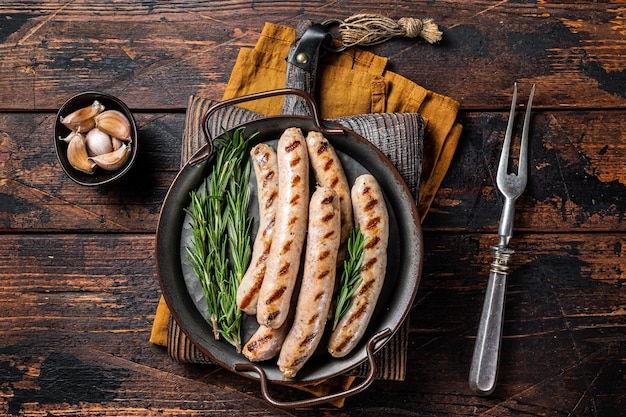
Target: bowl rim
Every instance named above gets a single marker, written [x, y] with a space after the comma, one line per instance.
[75, 102]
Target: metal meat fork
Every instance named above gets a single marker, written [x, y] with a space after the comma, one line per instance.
[484, 368]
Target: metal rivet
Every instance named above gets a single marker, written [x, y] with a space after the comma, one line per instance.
[302, 58]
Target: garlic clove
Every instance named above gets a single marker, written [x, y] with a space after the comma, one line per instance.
[115, 123]
[116, 143]
[69, 137]
[77, 155]
[83, 119]
[98, 142]
[113, 161]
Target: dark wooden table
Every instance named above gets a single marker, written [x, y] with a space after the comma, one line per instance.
[79, 282]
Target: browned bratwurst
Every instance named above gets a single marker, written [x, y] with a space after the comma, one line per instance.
[266, 171]
[370, 214]
[330, 173]
[289, 230]
[265, 343]
[318, 279]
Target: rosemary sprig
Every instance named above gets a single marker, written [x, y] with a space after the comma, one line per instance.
[220, 249]
[351, 275]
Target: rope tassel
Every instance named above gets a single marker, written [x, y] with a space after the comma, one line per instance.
[372, 29]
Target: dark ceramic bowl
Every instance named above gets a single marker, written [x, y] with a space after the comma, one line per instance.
[100, 176]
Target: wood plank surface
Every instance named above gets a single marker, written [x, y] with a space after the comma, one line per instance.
[127, 49]
[78, 277]
[577, 181]
[64, 324]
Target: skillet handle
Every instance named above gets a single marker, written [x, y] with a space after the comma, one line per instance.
[201, 156]
[370, 347]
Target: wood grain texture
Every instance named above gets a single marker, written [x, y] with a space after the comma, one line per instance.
[576, 182]
[78, 279]
[154, 55]
[84, 326]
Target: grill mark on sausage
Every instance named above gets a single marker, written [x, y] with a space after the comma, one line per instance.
[371, 204]
[251, 347]
[329, 234]
[365, 287]
[329, 200]
[286, 247]
[256, 287]
[283, 270]
[330, 163]
[372, 242]
[263, 158]
[275, 295]
[268, 177]
[268, 230]
[369, 264]
[318, 296]
[273, 315]
[297, 179]
[299, 360]
[248, 298]
[328, 217]
[323, 147]
[323, 255]
[341, 346]
[308, 339]
[294, 202]
[358, 314]
[292, 146]
[263, 256]
[323, 274]
[373, 223]
[270, 199]
[293, 220]
[295, 161]
[312, 320]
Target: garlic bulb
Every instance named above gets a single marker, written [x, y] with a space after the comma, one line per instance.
[98, 142]
[97, 138]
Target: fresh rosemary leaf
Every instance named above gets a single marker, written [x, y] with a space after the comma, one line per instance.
[351, 275]
[221, 228]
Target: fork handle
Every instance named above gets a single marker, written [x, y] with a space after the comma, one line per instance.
[484, 367]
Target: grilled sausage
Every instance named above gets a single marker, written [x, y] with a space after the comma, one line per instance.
[290, 229]
[318, 278]
[370, 214]
[265, 343]
[266, 171]
[329, 173]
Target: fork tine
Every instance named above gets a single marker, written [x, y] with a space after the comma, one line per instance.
[503, 166]
[523, 156]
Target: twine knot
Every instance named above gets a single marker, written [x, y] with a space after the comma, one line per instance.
[372, 29]
[412, 27]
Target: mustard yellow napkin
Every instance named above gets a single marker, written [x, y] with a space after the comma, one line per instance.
[349, 83]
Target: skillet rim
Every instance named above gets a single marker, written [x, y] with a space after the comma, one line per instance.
[192, 323]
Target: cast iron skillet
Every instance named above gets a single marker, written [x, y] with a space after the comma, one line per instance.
[405, 253]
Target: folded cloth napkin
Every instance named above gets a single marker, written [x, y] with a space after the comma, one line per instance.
[349, 83]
